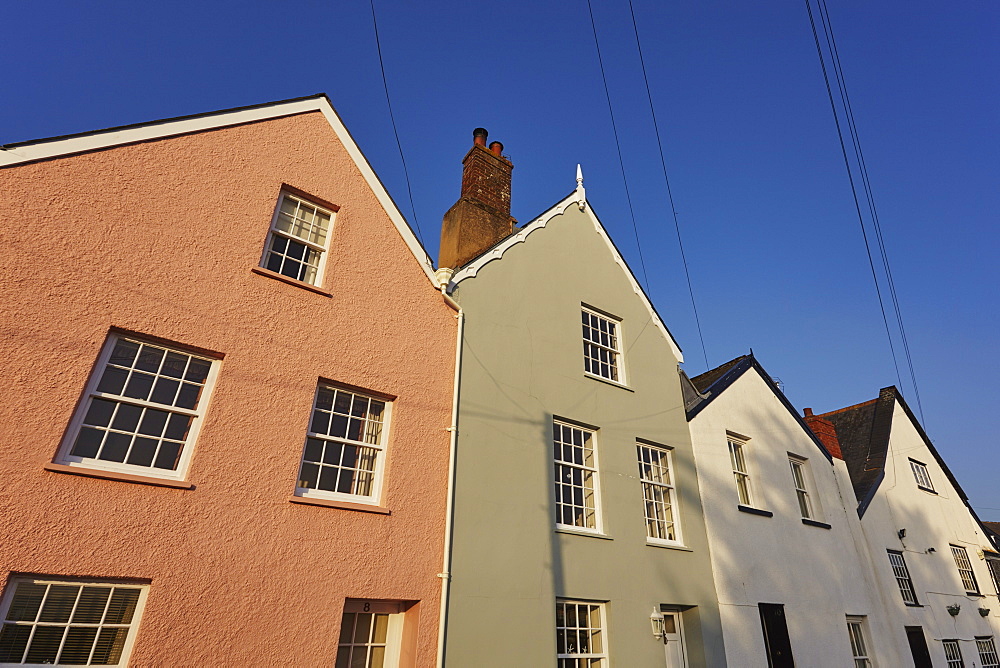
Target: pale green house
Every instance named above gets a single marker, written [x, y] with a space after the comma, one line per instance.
[578, 532]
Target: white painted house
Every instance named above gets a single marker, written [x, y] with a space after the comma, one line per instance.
[792, 572]
[934, 562]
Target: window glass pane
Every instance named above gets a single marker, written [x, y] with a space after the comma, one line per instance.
[27, 602]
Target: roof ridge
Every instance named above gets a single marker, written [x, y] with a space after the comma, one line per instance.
[847, 408]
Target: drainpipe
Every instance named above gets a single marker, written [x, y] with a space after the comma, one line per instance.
[444, 275]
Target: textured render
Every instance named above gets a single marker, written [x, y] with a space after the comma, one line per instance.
[160, 238]
[523, 364]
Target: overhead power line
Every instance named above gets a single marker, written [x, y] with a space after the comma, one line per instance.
[621, 162]
[666, 179]
[399, 145]
[862, 169]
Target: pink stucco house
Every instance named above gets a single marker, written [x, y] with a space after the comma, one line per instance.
[229, 377]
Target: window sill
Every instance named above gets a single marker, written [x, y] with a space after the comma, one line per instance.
[574, 531]
[927, 489]
[291, 281]
[813, 523]
[754, 511]
[343, 505]
[670, 546]
[912, 605]
[608, 381]
[115, 475]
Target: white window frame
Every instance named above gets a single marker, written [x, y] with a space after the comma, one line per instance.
[965, 572]
[953, 658]
[571, 659]
[394, 631]
[615, 352]
[322, 249]
[561, 465]
[857, 631]
[659, 492]
[738, 456]
[921, 475]
[800, 480]
[993, 566]
[381, 448]
[902, 575]
[132, 626]
[90, 393]
[987, 649]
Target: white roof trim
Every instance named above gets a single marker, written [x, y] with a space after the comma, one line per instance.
[574, 199]
[101, 139]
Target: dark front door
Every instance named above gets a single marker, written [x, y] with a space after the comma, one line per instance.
[918, 647]
[779, 647]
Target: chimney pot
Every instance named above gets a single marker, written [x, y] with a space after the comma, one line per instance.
[496, 147]
[479, 136]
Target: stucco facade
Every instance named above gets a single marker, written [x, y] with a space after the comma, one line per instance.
[158, 235]
[763, 549]
[920, 521]
[523, 379]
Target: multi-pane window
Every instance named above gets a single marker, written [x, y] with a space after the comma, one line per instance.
[68, 623]
[859, 645]
[575, 476]
[953, 654]
[601, 346]
[345, 446]
[737, 457]
[141, 409]
[902, 576]
[580, 639]
[656, 474]
[298, 239]
[993, 564]
[987, 652]
[369, 634]
[965, 569]
[799, 480]
[921, 475]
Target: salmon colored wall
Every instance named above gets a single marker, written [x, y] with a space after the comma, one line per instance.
[160, 238]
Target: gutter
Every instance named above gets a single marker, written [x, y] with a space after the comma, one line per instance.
[445, 573]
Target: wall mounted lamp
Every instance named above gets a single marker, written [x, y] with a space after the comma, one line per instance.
[656, 621]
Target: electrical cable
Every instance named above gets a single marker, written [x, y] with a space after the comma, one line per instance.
[854, 192]
[863, 170]
[621, 161]
[666, 179]
[399, 145]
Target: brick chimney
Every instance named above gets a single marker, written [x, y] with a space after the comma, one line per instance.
[825, 432]
[481, 216]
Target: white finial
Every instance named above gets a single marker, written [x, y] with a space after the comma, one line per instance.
[581, 194]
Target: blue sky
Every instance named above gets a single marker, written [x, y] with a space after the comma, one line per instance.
[771, 234]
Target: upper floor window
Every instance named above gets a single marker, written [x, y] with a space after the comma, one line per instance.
[344, 455]
[602, 346]
[737, 457]
[798, 467]
[859, 642]
[920, 474]
[965, 569]
[656, 474]
[993, 564]
[141, 409]
[575, 476]
[297, 243]
[902, 575]
[580, 635]
[68, 623]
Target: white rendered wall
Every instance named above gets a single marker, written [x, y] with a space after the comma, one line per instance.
[932, 520]
[820, 575]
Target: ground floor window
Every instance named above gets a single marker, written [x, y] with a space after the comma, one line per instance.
[987, 652]
[859, 642]
[953, 654]
[580, 640]
[69, 622]
[370, 634]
